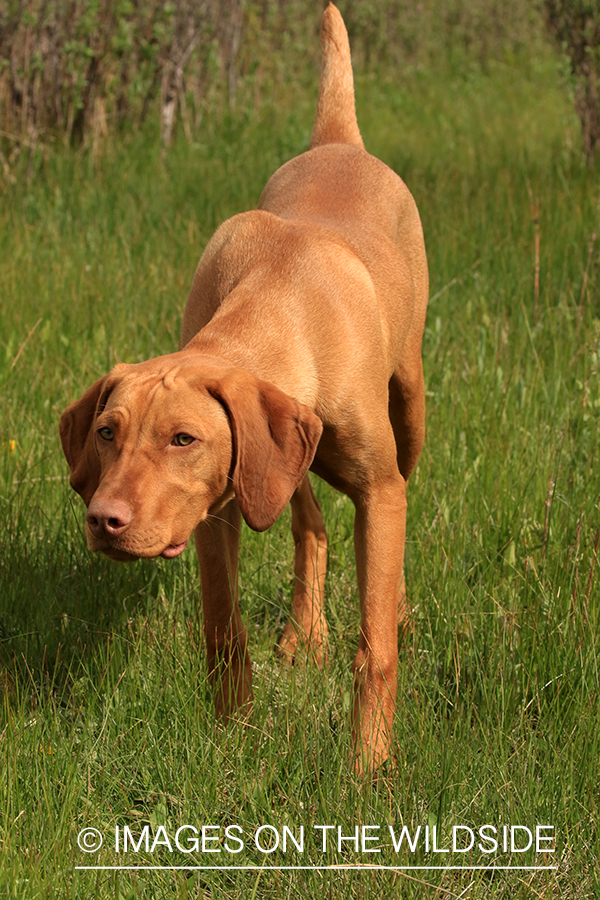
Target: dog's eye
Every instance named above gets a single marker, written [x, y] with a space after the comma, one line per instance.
[106, 433]
[183, 440]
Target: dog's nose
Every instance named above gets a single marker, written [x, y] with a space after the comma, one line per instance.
[108, 518]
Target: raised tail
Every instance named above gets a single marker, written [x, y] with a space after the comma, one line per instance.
[335, 121]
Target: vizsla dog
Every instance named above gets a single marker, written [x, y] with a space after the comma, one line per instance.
[300, 349]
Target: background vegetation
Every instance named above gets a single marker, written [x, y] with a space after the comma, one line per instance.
[107, 717]
[77, 70]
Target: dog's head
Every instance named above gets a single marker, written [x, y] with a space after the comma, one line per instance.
[155, 448]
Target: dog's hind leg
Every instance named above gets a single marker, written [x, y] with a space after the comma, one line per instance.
[306, 626]
[407, 415]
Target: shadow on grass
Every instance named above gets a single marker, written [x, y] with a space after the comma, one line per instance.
[59, 605]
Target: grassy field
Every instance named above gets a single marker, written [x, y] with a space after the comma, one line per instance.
[107, 716]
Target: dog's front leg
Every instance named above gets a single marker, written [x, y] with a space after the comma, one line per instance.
[379, 533]
[217, 543]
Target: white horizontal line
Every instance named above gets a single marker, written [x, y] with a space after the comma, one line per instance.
[339, 866]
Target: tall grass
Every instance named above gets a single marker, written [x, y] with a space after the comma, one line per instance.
[107, 716]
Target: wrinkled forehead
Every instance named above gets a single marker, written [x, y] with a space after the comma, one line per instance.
[131, 383]
[162, 388]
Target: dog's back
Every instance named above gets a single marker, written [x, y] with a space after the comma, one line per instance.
[337, 183]
[333, 201]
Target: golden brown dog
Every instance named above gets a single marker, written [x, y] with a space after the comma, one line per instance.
[300, 349]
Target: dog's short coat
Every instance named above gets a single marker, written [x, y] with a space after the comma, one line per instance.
[300, 349]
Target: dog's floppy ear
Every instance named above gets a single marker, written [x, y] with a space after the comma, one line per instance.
[77, 438]
[274, 441]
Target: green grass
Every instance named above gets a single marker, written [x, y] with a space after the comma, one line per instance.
[107, 714]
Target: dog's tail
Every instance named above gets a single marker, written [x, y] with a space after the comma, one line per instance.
[335, 121]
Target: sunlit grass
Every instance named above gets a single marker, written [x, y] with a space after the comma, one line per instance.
[107, 714]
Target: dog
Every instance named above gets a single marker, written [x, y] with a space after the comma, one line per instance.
[300, 350]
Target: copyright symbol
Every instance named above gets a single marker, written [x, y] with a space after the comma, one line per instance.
[89, 840]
